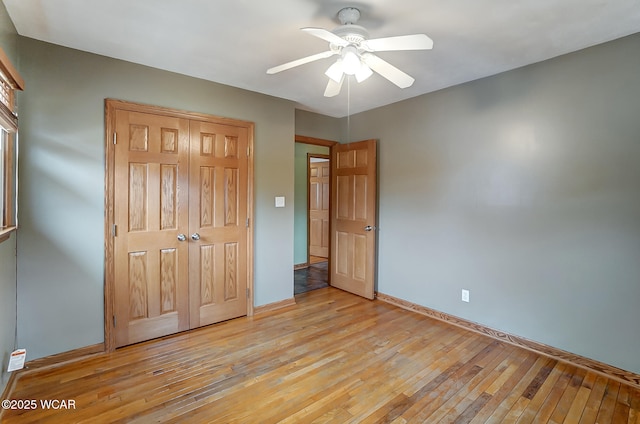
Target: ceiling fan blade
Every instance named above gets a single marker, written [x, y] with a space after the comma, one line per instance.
[402, 42]
[387, 70]
[333, 88]
[327, 36]
[299, 62]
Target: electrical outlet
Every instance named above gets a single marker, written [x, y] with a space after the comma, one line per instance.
[465, 295]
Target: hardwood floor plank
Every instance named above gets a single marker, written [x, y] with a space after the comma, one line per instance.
[550, 403]
[562, 408]
[634, 412]
[472, 409]
[512, 371]
[539, 380]
[508, 368]
[330, 358]
[605, 413]
[579, 402]
[471, 396]
[511, 399]
[529, 414]
[438, 385]
[622, 408]
[523, 403]
[592, 407]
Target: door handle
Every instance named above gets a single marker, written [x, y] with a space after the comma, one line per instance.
[181, 237]
[369, 228]
[195, 236]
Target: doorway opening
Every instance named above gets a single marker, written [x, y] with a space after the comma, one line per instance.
[316, 274]
[312, 277]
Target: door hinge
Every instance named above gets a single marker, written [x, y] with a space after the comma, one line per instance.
[114, 230]
[248, 294]
[114, 321]
[248, 151]
[247, 222]
[115, 138]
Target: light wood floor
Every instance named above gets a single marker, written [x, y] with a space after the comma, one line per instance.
[317, 259]
[333, 357]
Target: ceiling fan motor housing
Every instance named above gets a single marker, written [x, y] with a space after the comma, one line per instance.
[349, 31]
[354, 34]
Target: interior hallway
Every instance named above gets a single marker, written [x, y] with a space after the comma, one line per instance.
[313, 277]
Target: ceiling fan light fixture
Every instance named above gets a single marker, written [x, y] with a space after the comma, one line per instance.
[350, 61]
[363, 73]
[335, 71]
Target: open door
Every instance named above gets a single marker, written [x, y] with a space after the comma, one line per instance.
[353, 217]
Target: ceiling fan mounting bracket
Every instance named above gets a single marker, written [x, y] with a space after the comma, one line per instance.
[348, 15]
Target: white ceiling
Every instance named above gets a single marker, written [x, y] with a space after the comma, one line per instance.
[234, 42]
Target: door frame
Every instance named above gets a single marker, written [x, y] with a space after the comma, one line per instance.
[111, 105]
[326, 143]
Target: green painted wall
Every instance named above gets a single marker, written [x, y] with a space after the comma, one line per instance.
[525, 189]
[300, 202]
[7, 305]
[319, 126]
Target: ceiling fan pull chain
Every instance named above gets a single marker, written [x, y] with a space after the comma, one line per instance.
[348, 109]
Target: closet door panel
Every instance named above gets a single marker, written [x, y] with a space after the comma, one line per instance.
[151, 209]
[218, 218]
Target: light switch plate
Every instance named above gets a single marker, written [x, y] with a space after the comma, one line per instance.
[279, 201]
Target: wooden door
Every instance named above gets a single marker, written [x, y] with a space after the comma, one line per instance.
[353, 218]
[319, 207]
[151, 264]
[218, 222]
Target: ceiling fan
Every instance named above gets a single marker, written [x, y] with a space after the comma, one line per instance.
[355, 50]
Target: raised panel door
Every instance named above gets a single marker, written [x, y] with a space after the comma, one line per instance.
[151, 264]
[353, 222]
[319, 208]
[218, 221]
